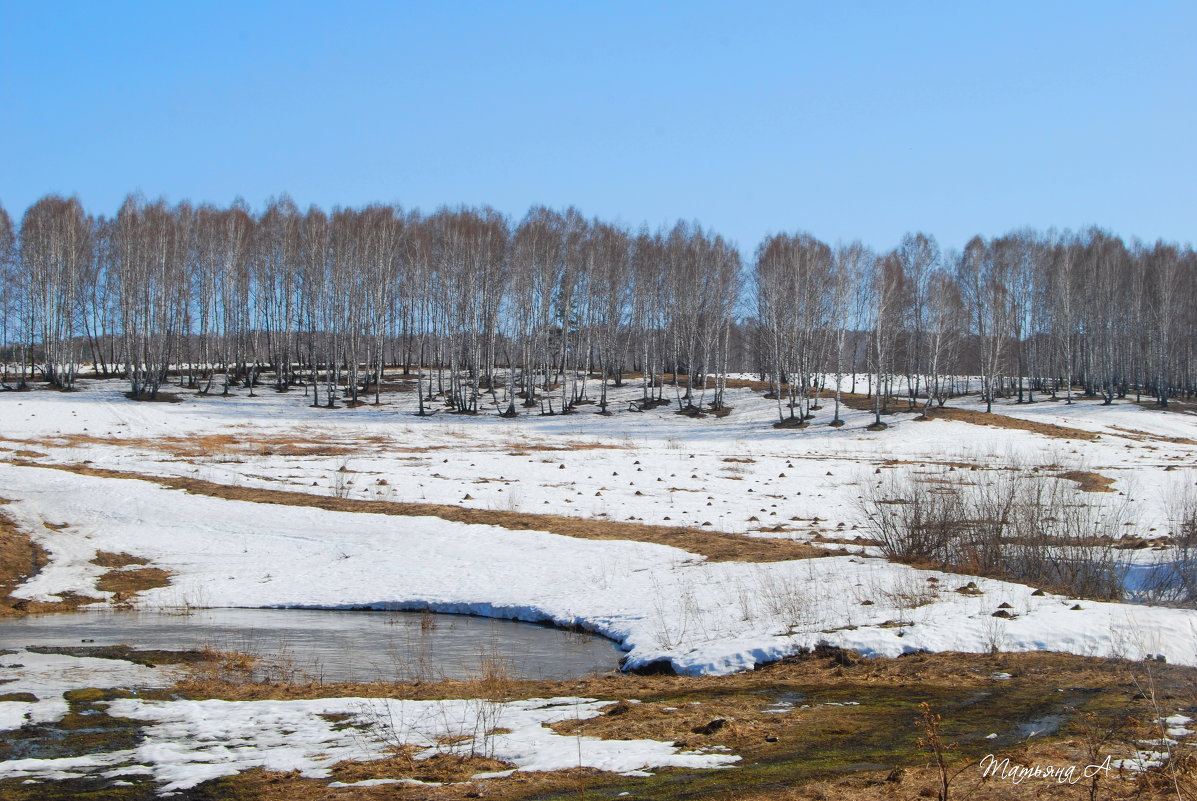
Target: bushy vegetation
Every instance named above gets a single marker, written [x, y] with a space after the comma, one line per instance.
[1004, 523]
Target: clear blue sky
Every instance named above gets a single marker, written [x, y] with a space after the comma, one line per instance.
[845, 119]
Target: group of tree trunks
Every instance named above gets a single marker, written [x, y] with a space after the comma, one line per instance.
[490, 314]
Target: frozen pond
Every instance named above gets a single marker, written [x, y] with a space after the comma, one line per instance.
[320, 645]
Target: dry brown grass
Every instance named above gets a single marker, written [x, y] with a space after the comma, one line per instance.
[260, 785]
[443, 768]
[714, 545]
[125, 584]
[1147, 436]
[823, 670]
[931, 462]
[742, 722]
[1088, 481]
[667, 711]
[572, 445]
[20, 558]
[298, 444]
[922, 782]
[1174, 406]
[213, 445]
[110, 559]
[996, 420]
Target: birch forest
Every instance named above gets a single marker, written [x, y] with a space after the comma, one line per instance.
[499, 316]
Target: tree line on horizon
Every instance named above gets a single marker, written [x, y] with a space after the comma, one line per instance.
[545, 312]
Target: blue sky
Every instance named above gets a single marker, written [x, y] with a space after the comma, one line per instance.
[846, 119]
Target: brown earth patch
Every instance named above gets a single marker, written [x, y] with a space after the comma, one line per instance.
[575, 446]
[20, 558]
[714, 545]
[231, 444]
[212, 445]
[861, 403]
[1088, 481]
[997, 420]
[931, 462]
[865, 403]
[441, 768]
[124, 584]
[1134, 433]
[262, 785]
[1174, 406]
[109, 559]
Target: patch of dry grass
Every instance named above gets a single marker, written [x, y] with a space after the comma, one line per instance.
[997, 420]
[1174, 406]
[825, 669]
[213, 445]
[125, 583]
[20, 558]
[226, 445]
[128, 575]
[1088, 481]
[440, 768]
[261, 785]
[110, 559]
[1134, 433]
[779, 749]
[969, 782]
[569, 445]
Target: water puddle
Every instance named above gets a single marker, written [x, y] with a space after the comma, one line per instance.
[329, 646]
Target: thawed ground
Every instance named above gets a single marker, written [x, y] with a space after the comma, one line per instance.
[662, 604]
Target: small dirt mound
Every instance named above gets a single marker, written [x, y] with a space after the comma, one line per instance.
[1088, 481]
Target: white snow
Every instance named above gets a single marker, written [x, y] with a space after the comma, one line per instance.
[661, 604]
[48, 676]
[386, 453]
[193, 741]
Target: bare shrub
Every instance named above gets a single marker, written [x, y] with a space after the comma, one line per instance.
[1006, 523]
[343, 480]
[1172, 580]
[786, 598]
[912, 521]
[464, 729]
[1065, 541]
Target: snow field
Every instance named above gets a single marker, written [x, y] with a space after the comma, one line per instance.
[660, 604]
[655, 467]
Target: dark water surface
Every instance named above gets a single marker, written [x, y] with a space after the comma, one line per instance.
[319, 645]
